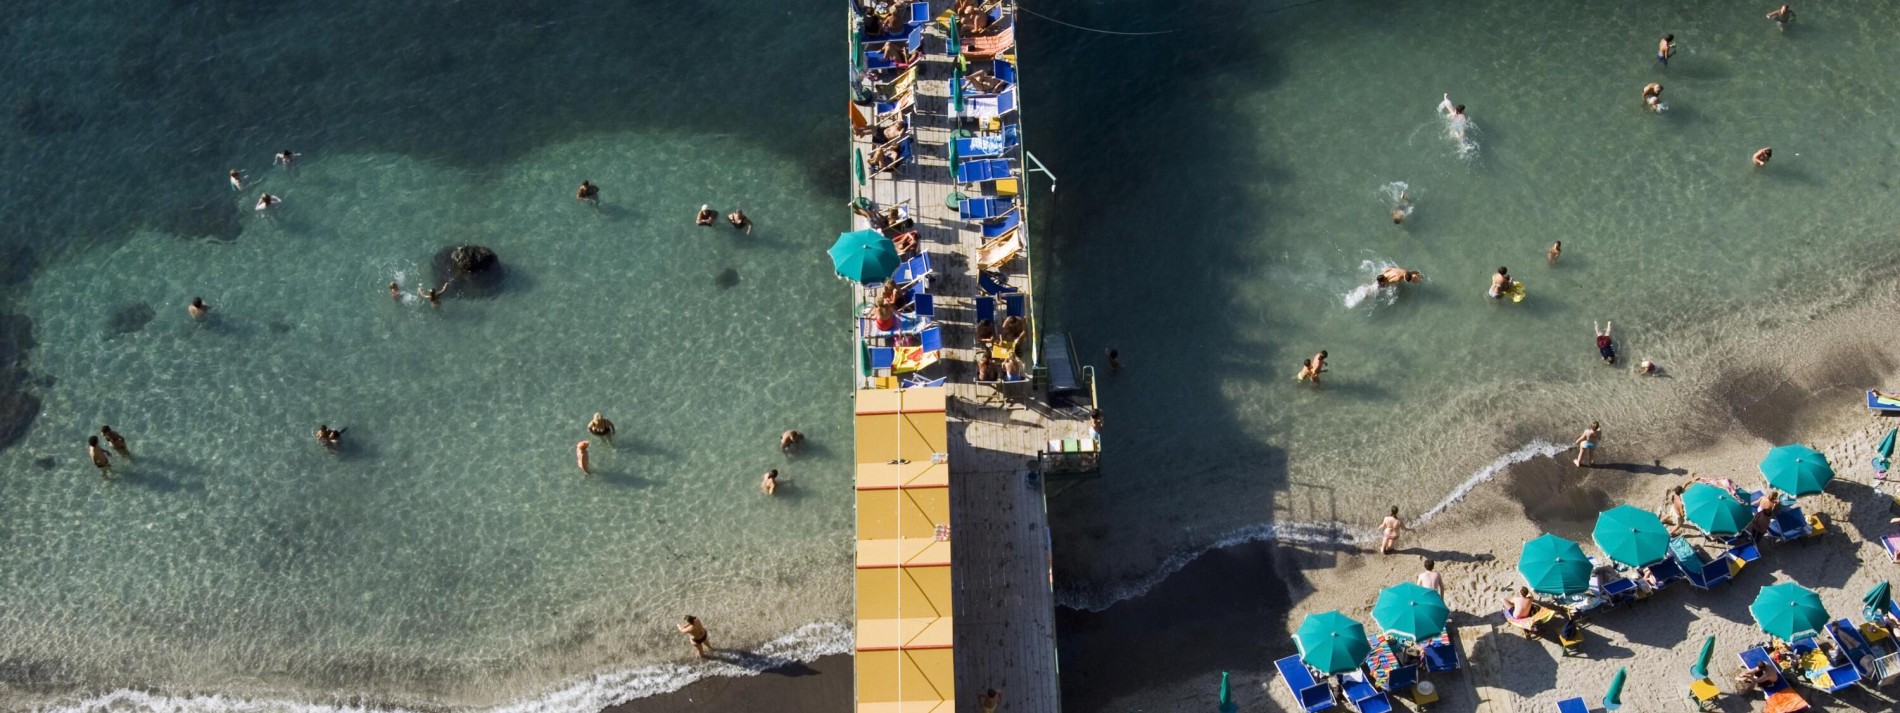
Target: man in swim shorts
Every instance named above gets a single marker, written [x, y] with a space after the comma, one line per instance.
[1395, 275]
[696, 632]
[1782, 16]
[1500, 283]
[1666, 49]
[1606, 347]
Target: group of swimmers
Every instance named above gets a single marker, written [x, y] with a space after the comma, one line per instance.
[1666, 48]
[98, 455]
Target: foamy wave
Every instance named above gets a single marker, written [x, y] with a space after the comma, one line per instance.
[1317, 533]
[585, 696]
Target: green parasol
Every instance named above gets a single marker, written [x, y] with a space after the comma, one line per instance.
[954, 46]
[1631, 535]
[1789, 611]
[1701, 667]
[1797, 469]
[1332, 642]
[864, 256]
[1554, 565]
[1715, 510]
[1878, 599]
[1409, 611]
[1226, 696]
[1613, 698]
[1883, 460]
[859, 166]
[956, 93]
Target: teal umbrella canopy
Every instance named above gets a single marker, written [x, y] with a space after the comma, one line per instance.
[1878, 598]
[1797, 469]
[1631, 535]
[1789, 611]
[1554, 565]
[1701, 667]
[1714, 510]
[864, 256]
[1613, 698]
[1226, 696]
[1332, 642]
[1883, 458]
[1410, 611]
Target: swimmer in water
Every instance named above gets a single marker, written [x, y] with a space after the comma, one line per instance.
[1500, 284]
[739, 220]
[602, 427]
[580, 458]
[237, 180]
[588, 193]
[1652, 96]
[99, 458]
[433, 295]
[330, 437]
[706, 215]
[1556, 249]
[117, 441]
[770, 483]
[1761, 157]
[791, 441]
[395, 291]
[266, 201]
[1402, 209]
[1782, 16]
[1665, 48]
[1648, 368]
[197, 309]
[1606, 347]
[1456, 116]
[1394, 275]
[285, 158]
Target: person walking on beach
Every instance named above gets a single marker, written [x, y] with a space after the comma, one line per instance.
[1665, 49]
[99, 459]
[791, 441]
[1652, 96]
[1429, 578]
[1606, 347]
[1761, 156]
[1556, 249]
[580, 458]
[696, 632]
[1500, 283]
[197, 309]
[990, 700]
[1674, 514]
[603, 428]
[769, 484]
[1587, 445]
[116, 441]
[739, 220]
[1389, 531]
[1782, 16]
[705, 216]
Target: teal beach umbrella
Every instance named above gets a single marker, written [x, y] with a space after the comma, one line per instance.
[1226, 696]
[1410, 611]
[954, 46]
[1797, 469]
[1631, 535]
[1714, 510]
[864, 256]
[859, 168]
[956, 91]
[1883, 458]
[1789, 611]
[1554, 565]
[1878, 599]
[1332, 642]
[1613, 698]
[1701, 667]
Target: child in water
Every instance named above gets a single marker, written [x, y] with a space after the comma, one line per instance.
[1606, 347]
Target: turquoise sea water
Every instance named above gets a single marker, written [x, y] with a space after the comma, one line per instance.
[1222, 195]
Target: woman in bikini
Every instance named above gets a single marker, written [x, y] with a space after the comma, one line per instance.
[1587, 445]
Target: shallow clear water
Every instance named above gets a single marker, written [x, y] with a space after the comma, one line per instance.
[1215, 230]
[452, 552]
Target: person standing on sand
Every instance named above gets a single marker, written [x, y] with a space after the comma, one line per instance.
[696, 633]
[116, 441]
[197, 309]
[1389, 530]
[769, 483]
[1587, 445]
[580, 458]
[603, 428]
[1429, 578]
[1673, 513]
[990, 700]
[1556, 249]
[99, 459]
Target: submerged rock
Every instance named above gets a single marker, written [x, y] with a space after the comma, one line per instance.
[217, 219]
[469, 270]
[726, 279]
[16, 265]
[130, 318]
[18, 408]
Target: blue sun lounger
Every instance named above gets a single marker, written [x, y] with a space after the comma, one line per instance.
[984, 170]
[1666, 572]
[917, 14]
[1573, 705]
[1757, 656]
[903, 154]
[1312, 695]
[923, 305]
[917, 381]
[1003, 69]
[1860, 655]
[912, 270]
[1441, 657]
[1364, 697]
[1016, 304]
[1708, 575]
[993, 283]
[1789, 524]
[996, 230]
[989, 145]
[1882, 403]
[931, 339]
[986, 309]
[989, 106]
[984, 208]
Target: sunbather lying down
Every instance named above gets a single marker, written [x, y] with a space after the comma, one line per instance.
[1885, 399]
[1763, 674]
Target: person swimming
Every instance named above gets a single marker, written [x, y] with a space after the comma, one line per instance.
[1782, 16]
[197, 309]
[266, 201]
[1500, 284]
[1556, 250]
[739, 220]
[285, 158]
[237, 180]
[1761, 157]
[395, 291]
[1394, 275]
[1402, 209]
[705, 216]
[1652, 96]
[601, 427]
[1455, 113]
[330, 437]
[588, 193]
[432, 294]
[1606, 347]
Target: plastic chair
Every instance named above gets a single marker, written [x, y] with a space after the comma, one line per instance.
[1571, 638]
[1574, 705]
[1313, 695]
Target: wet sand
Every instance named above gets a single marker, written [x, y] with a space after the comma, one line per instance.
[820, 686]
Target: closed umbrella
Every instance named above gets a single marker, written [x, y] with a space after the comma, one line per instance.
[858, 168]
[864, 256]
[1714, 510]
[1226, 697]
[1554, 565]
[1701, 667]
[1631, 535]
[1332, 642]
[1797, 469]
[1410, 611]
[1613, 698]
[1879, 598]
[1789, 611]
[1883, 460]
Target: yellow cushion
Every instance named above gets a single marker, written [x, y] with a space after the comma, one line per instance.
[1704, 689]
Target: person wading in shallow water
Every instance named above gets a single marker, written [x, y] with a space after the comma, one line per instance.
[696, 633]
[116, 441]
[603, 428]
[1389, 531]
[99, 459]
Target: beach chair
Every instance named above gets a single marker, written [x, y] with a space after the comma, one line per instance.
[1401, 678]
[1006, 223]
[1666, 572]
[1891, 543]
[1313, 695]
[1364, 697]
[923, 305]
[998, 252]
[1789, 524]
[991, 45]
[1745, 553]
[990, 106]
[1003, 69]
[989, 145]
[1573, 705]
[1711, 574]
[1529, 624]
[1016, 304]
[1441, 655]
[918, 381]
[1619, 591]
[1878, 402]
[984, 208]
[1757, 656]
[996, 283]
[1570, 637]
[984, 170]
[1703, 692]
[912, 270]
[903, 146]
[985, 308]
[881, 360]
